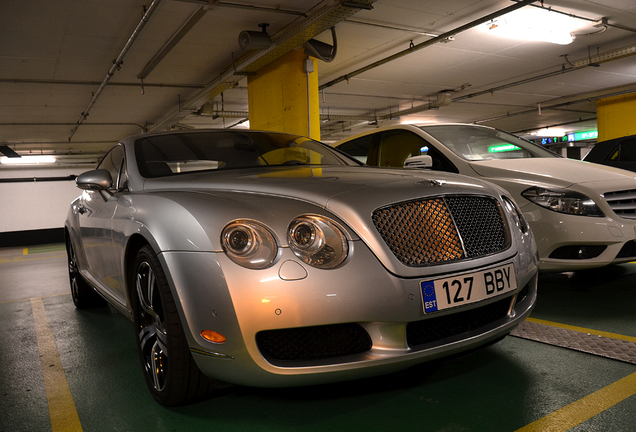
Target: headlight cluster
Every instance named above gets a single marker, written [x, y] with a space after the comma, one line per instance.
[563, 201]
[517, 216]
[316, 240]
[249, 244]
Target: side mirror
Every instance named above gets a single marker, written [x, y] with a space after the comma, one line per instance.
[94, 180]
[421, 161]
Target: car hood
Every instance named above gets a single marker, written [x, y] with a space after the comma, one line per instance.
[556, 171]
[328, 187]
[350, 194]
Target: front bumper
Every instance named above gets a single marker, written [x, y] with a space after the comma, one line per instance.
[255, 310]
[570, 243]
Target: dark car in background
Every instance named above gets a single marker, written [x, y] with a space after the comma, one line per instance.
[618, 152]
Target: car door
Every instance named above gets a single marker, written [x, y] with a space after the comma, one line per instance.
[96, 212]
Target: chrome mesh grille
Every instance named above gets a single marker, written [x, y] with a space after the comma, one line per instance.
[439, 230]
[623, 203]
[480, 224]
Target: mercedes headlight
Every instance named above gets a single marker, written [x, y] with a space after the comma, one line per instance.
[563, 201]
[317, 241]
[249, 244]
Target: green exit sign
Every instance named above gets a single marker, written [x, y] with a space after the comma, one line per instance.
[580, 136]
[503, 148]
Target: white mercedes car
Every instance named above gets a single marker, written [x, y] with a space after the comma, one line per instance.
[583, 215]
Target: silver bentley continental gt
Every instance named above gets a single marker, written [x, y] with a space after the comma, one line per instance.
[269, 259]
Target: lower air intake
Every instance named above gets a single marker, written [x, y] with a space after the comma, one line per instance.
[313, 343]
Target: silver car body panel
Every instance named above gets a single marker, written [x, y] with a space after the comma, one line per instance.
[181, 217]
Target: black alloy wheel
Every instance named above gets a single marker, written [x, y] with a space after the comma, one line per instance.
[84, 296]
[171, 374]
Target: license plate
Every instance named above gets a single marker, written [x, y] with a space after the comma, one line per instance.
[467, 288]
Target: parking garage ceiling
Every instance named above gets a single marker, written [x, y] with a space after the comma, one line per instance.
[78, 75]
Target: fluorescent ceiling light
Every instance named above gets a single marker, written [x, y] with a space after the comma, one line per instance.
[535, 24]
[27, 160]
[415, 122]
[550, 132]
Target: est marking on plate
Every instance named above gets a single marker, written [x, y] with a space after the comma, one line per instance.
[467, 288]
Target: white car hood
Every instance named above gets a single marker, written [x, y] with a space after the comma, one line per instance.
[556, 171]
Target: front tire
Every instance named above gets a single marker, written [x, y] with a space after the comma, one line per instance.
[171, 374]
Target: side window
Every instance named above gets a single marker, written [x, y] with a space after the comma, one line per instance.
[397, 145]
[122, 183]
[613, 156]
[115, 164]
[360, 148]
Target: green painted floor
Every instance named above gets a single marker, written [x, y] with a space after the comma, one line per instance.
[505, 387]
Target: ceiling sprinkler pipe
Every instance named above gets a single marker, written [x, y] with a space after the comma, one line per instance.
[441, 38]
[116, 63]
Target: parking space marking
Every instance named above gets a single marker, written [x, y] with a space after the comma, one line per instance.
[62, 411]
[584, 409]
[24, 258]
[44, 249]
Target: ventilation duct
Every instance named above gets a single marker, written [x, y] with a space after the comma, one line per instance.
[321, 50]
[443, 99]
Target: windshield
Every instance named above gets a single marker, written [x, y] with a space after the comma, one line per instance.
[184, 152]
[476, 143]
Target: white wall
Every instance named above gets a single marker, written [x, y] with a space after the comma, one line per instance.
[36, 205]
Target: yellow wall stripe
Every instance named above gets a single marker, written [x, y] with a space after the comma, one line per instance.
[62, 409]
[584, 330]
[584, 409]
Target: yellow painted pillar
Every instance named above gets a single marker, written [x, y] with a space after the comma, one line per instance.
[283, 97]
[616, 117]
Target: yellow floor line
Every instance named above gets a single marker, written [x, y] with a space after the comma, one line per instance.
[28, 299]
[62, 411]
[584, 409]
[28, 258]
[44, 249]
[584, 330]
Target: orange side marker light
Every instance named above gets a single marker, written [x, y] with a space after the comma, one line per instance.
[212, 336]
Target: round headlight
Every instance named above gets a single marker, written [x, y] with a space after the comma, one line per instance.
[239, 240]
[249, 244]
[304, 234]
[318, 241]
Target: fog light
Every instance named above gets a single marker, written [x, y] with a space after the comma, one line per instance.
[213, 336]
[583, 253]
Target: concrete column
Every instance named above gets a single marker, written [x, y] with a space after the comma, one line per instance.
[283, 96]
[616, 117]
